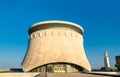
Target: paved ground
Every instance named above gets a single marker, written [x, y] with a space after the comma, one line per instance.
[35, 74]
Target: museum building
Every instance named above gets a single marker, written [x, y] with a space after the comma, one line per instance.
[55, 46]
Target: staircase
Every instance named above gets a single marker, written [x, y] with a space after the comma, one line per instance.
[64, 74]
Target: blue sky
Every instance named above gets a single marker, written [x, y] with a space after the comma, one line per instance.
[99, 18]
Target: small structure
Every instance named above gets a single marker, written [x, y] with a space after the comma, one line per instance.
[117, 65]
[106, 61]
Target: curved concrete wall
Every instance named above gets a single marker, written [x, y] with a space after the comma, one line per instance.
[55, 41]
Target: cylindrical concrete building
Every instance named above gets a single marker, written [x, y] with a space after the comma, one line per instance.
[55, 46]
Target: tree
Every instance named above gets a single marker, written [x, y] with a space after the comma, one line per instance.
[102, 68]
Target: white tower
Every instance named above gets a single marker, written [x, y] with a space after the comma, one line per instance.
[106, 61]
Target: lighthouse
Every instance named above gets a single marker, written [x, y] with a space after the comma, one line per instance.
[106, 61]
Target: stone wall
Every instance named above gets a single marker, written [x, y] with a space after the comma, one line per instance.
[18, 74]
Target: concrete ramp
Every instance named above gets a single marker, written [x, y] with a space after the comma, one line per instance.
[72, 75]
